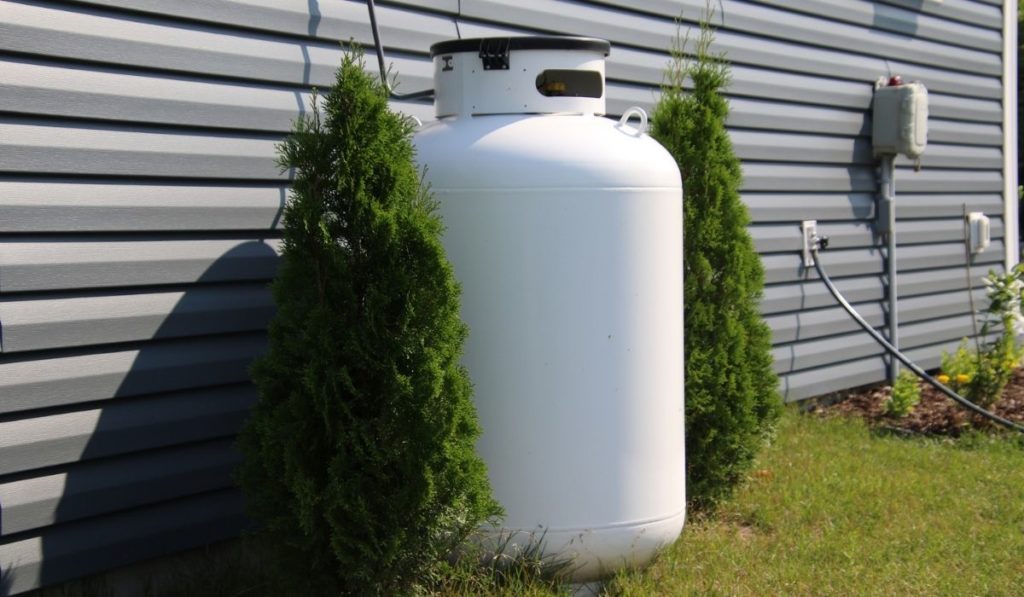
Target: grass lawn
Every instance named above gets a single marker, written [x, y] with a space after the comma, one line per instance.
[833, 509]
[830, 509]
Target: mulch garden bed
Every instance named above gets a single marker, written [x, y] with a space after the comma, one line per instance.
[934, 415]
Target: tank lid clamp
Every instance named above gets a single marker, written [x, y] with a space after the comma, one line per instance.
[494, 53]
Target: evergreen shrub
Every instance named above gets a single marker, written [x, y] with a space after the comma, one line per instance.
[731, 399]
[359, 458]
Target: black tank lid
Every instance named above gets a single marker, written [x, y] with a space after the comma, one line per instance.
[533, 42]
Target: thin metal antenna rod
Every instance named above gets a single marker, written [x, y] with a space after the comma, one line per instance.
[426, 93]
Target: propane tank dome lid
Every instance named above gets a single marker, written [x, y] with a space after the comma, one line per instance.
[533, 42]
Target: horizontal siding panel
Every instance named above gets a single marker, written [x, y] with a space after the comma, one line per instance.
[858, 262]
[633, 29]
[740, 49]
[123, 427]
[446, 6]
[967, 11]
[81, 548]
[789, 267]
[50, 147]
[915, 22]
[341, 20]
[68, 90]
[43, 323]
[647, 67]
[34, 87]
[957, 156]
[873, 14]
[315, 65]
[34, 147]
[100, 487]
[779, 207]
[810, 324]
[837, 348]
[791, 177]
[86, 205]
[841, 235]
[947, 181]
[825, 30]
[40, 265]
[852, 374]
[140, 42]
[757, 114]
[63, 90]
[946, 206]
[847, 235]
[940, 231]
[779, 116]
[944, 255]
[812, 294]
[948, 279]
[35, 382]
[782, 147]
[964, 108]
[963, 133]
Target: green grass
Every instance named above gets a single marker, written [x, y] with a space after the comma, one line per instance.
[837, 510]
[832, 509]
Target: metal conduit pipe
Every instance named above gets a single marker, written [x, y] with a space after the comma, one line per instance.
[888, 219]
[379, 47]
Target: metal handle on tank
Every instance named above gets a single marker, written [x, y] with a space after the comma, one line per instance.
[635, 111]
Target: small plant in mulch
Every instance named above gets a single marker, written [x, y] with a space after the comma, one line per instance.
[905, 395]
[935, 414]
[987, 374]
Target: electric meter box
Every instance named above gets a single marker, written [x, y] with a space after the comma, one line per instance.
[900, 120]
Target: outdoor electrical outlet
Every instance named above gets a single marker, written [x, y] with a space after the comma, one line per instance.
[980, 231]
[810, 229]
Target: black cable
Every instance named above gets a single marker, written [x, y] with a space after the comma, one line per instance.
[903, 358]
[426, 93]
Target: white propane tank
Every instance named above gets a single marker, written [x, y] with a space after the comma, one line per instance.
[565, 231]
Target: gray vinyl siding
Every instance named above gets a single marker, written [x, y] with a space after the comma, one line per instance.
[140, 206]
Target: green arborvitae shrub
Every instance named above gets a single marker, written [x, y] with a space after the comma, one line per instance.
[731, 397]
[359, 457]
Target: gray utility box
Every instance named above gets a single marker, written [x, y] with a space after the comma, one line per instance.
[900, 120]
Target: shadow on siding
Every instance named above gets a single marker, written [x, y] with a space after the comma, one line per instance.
[155, 476]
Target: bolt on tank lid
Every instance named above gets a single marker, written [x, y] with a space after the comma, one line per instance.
[519, 75]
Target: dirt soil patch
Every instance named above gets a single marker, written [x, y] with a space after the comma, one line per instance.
[934, 415]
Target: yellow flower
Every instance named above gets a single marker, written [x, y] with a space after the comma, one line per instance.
[961, 378]
[942, 377]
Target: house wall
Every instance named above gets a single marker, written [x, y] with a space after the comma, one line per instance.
[140, 205]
